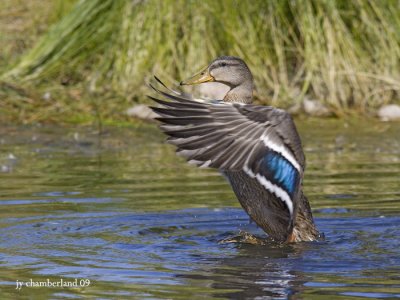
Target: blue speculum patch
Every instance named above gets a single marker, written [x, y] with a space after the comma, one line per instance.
[279, 170]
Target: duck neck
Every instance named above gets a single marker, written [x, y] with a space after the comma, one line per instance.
[242, 93]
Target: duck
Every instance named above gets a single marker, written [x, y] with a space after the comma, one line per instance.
[257, 148]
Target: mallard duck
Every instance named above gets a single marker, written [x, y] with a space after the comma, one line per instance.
[257, 148]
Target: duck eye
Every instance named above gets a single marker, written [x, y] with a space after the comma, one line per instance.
[223, 64]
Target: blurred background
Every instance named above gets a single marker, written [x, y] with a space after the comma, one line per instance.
[69, 60]
[87, 192]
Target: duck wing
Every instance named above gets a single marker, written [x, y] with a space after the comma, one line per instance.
[262, 141]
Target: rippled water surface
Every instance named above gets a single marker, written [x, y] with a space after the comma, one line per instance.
[121, 210]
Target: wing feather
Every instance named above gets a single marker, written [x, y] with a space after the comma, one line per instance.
[259, 140]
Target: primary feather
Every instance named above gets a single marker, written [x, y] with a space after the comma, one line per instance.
[256, 147]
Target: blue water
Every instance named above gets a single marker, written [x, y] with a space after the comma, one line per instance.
[120, 210]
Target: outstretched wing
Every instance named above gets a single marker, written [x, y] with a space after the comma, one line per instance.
[260, 140]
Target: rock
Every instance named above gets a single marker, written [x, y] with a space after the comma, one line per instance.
[213, 90]
[315, 108]
[141, 111]
[295, 109]
[389, 112]
[11, 156]
[46, 96]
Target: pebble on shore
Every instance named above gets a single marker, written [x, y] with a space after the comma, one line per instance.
[390, 112]
[142, 112]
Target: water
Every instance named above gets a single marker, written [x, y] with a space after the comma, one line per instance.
[122, 213]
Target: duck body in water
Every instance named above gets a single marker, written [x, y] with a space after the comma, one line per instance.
[257, 148]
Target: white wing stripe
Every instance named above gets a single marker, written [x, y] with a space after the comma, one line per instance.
[280, 193]
[282, 150]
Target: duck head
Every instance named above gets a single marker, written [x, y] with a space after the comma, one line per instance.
[231, 71]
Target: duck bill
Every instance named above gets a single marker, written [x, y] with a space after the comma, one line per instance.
[202, 76]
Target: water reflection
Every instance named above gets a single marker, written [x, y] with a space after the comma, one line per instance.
[254, 272]
[139, 222]
[353, 260]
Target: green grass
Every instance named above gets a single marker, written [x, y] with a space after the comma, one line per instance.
[345, 54]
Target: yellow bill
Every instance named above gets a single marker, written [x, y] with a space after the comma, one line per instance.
[202, 76]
